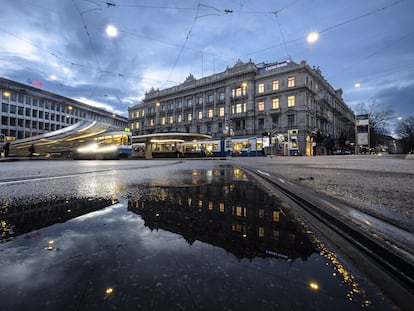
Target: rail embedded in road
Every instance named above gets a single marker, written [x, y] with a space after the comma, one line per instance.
[382, 252]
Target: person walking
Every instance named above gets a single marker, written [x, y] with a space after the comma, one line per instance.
[31, 150]
[341, 142]
[6, 148]
[329, 144]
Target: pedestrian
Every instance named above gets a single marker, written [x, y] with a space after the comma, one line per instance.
[317, 140]
[329, 144]
[31, 150]
[6, 149]
[341, 142]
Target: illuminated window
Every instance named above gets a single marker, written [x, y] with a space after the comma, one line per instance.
[244, 88]
[189, 117]
[239, 108]
[221, 112]
[132, 126]
[163, 120]
[179, 118]
[137, 125]
[236, 92]
[261, 213]
[275, 85]
[137, 114]
[260, 106]
[291, 101]
[275, 103]
[261, 88]
[261, 231]
[152, 122]
[221, 207]
[276, 215]
[291, 81]
[171, 120]
[200, 115]
[240, 211]
[210, 205]
[143, 113]
[210, 113]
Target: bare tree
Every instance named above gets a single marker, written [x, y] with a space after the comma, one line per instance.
[405, 130]
[379, 118]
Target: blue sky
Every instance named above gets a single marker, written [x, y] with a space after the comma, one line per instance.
[64, 45]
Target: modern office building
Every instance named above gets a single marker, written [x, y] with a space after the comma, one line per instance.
[249, 100]
[28, 111]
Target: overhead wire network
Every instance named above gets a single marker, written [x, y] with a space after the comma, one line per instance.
[202, 10]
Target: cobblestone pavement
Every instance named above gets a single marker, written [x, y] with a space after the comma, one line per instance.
[382, 186]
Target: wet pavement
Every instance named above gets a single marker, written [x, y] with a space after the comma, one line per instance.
[162, 235]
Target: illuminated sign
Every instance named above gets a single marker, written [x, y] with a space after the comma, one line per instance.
[362, 129]
[277, 65]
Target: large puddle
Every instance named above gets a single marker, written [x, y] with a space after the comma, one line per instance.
[206, 240]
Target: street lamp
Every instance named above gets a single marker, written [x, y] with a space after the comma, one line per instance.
[111, 31]
[312, 37]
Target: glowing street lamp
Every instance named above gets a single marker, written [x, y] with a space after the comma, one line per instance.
[111, 31]
[312, 37]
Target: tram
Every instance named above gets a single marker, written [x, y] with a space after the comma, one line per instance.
[243, 147]
[204, 148]
[110, 145]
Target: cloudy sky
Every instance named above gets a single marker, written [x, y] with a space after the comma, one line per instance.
[64, 45]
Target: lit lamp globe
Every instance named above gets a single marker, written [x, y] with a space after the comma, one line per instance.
[312, 37]
[111, 31]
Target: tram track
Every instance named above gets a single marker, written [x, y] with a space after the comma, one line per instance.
[388, 261]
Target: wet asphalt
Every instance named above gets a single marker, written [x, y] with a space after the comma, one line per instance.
[119, 240]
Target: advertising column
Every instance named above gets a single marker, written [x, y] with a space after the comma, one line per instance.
[362, 133]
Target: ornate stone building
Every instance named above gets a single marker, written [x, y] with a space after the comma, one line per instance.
[248, 100]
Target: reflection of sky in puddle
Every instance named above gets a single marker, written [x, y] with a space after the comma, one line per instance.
[174, 248]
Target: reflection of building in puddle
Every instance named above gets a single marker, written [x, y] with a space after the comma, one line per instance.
[236, 216]
[17, 220]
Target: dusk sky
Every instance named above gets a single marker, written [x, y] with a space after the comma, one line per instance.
[64, 45]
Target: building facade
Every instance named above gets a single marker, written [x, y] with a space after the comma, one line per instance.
[27, 111]
[248, 100]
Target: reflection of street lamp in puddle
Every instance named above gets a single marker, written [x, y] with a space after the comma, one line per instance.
[313, 285]
[109, 292]
[50, 245]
